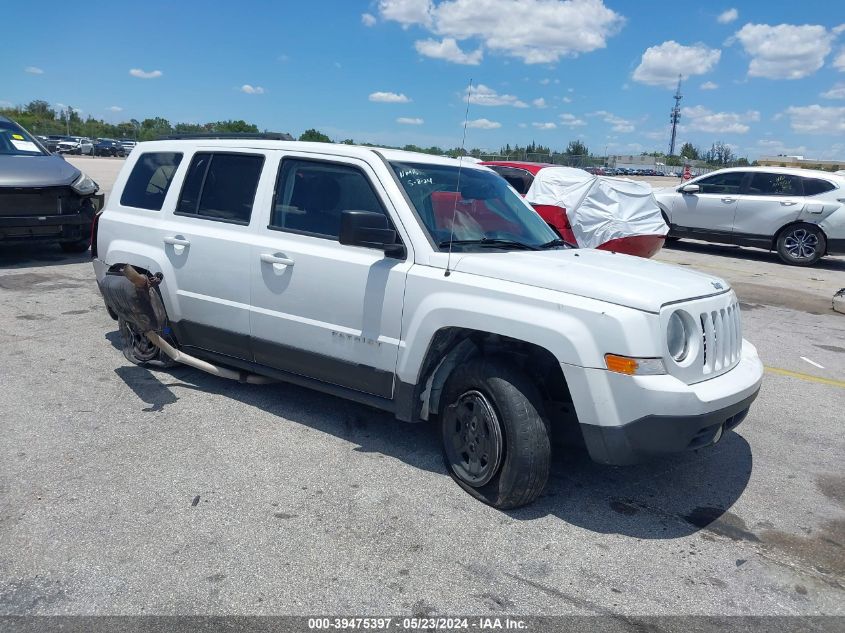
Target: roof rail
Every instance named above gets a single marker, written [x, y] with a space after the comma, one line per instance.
[265, 136]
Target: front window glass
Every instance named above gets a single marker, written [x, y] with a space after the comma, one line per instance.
[729, 182]
[16, 141]
[482, 208]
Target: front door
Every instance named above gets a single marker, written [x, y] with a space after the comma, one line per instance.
[321, 309]
[709, 213]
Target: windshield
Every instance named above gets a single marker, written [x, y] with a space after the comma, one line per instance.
[16, 141]
[486, 211]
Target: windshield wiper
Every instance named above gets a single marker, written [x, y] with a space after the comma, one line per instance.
[557, 242]
[489, 242]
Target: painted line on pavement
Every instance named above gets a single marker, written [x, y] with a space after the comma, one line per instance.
[807, 377]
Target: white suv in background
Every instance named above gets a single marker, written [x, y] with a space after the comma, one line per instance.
[329, 266]
[798, 212]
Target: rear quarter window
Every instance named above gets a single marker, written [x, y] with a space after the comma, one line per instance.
[815, 186]
[150, 179]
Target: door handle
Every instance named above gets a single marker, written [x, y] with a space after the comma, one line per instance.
[728, 199]
[267, 258]
[788, 203]
[177, 241]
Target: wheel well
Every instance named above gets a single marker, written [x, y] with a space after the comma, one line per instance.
[795, 223]
[451, 347]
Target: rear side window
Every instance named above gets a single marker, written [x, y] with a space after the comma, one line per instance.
[519, 179]
[815, 186]
[311, 195]
[722, 183]
[221, 186]
[763, 184]
[150, 179]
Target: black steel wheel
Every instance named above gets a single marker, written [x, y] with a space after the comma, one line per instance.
[473, 440]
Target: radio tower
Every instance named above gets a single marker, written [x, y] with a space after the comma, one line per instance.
[675, 117]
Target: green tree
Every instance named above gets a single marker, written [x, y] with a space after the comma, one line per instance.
[315, 136]
[576, 148]
[688, 150]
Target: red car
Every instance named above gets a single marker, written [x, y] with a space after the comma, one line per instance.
[611, 214]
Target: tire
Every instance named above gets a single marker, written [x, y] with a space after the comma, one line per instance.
[801, 245]
[76, 247]
[139, 351]
[495, 441]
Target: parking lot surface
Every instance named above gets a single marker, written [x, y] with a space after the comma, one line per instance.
[129, 491]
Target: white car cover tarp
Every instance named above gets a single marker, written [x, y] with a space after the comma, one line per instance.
[599, 208]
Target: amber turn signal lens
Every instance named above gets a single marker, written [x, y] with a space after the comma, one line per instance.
[621, 364]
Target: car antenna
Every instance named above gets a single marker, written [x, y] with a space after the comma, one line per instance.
[458, 185]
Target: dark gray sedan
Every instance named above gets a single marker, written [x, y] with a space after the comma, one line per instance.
[42, 197]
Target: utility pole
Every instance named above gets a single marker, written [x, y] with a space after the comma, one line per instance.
[67, 119]
[675, 116]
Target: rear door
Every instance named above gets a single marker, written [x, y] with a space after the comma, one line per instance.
[207, 241]
[709, 213]
[322, 309]
[770, 201]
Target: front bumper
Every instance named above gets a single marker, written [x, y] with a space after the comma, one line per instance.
[629, 419]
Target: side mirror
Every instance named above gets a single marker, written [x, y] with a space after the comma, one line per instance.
[690, 189]
[370, 230]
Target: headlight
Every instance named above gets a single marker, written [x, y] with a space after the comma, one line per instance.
[677, 337]
[84, 186]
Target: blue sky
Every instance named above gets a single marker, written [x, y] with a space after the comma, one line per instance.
[765, 76]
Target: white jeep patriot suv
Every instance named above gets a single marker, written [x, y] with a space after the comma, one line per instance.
[423, 286]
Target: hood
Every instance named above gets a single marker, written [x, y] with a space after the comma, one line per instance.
[36, 171]
[625, 280]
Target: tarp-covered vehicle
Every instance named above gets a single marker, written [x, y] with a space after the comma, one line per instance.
[613, 214]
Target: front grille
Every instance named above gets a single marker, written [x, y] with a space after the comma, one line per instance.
[35, 201]
[721, 339]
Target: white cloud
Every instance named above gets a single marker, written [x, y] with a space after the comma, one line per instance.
[816, 119]
[726, 17]
[485, 96]
[143, 74]
[483, 124]
[535, 31]
[619, 124]
[539, 103]
[785, 51]
[545, 126]
[406, 12]
[368, 19]
[114, 109]
[252, 90]
[404, 120]
[839, 62]
[660, 65]
[571, 120]
[567, 99]
[837, 92]
[33, 70]
[523, 125]
[545, 82]
[388, 97]
[449, 51]
[703, 120]
[709, 85]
